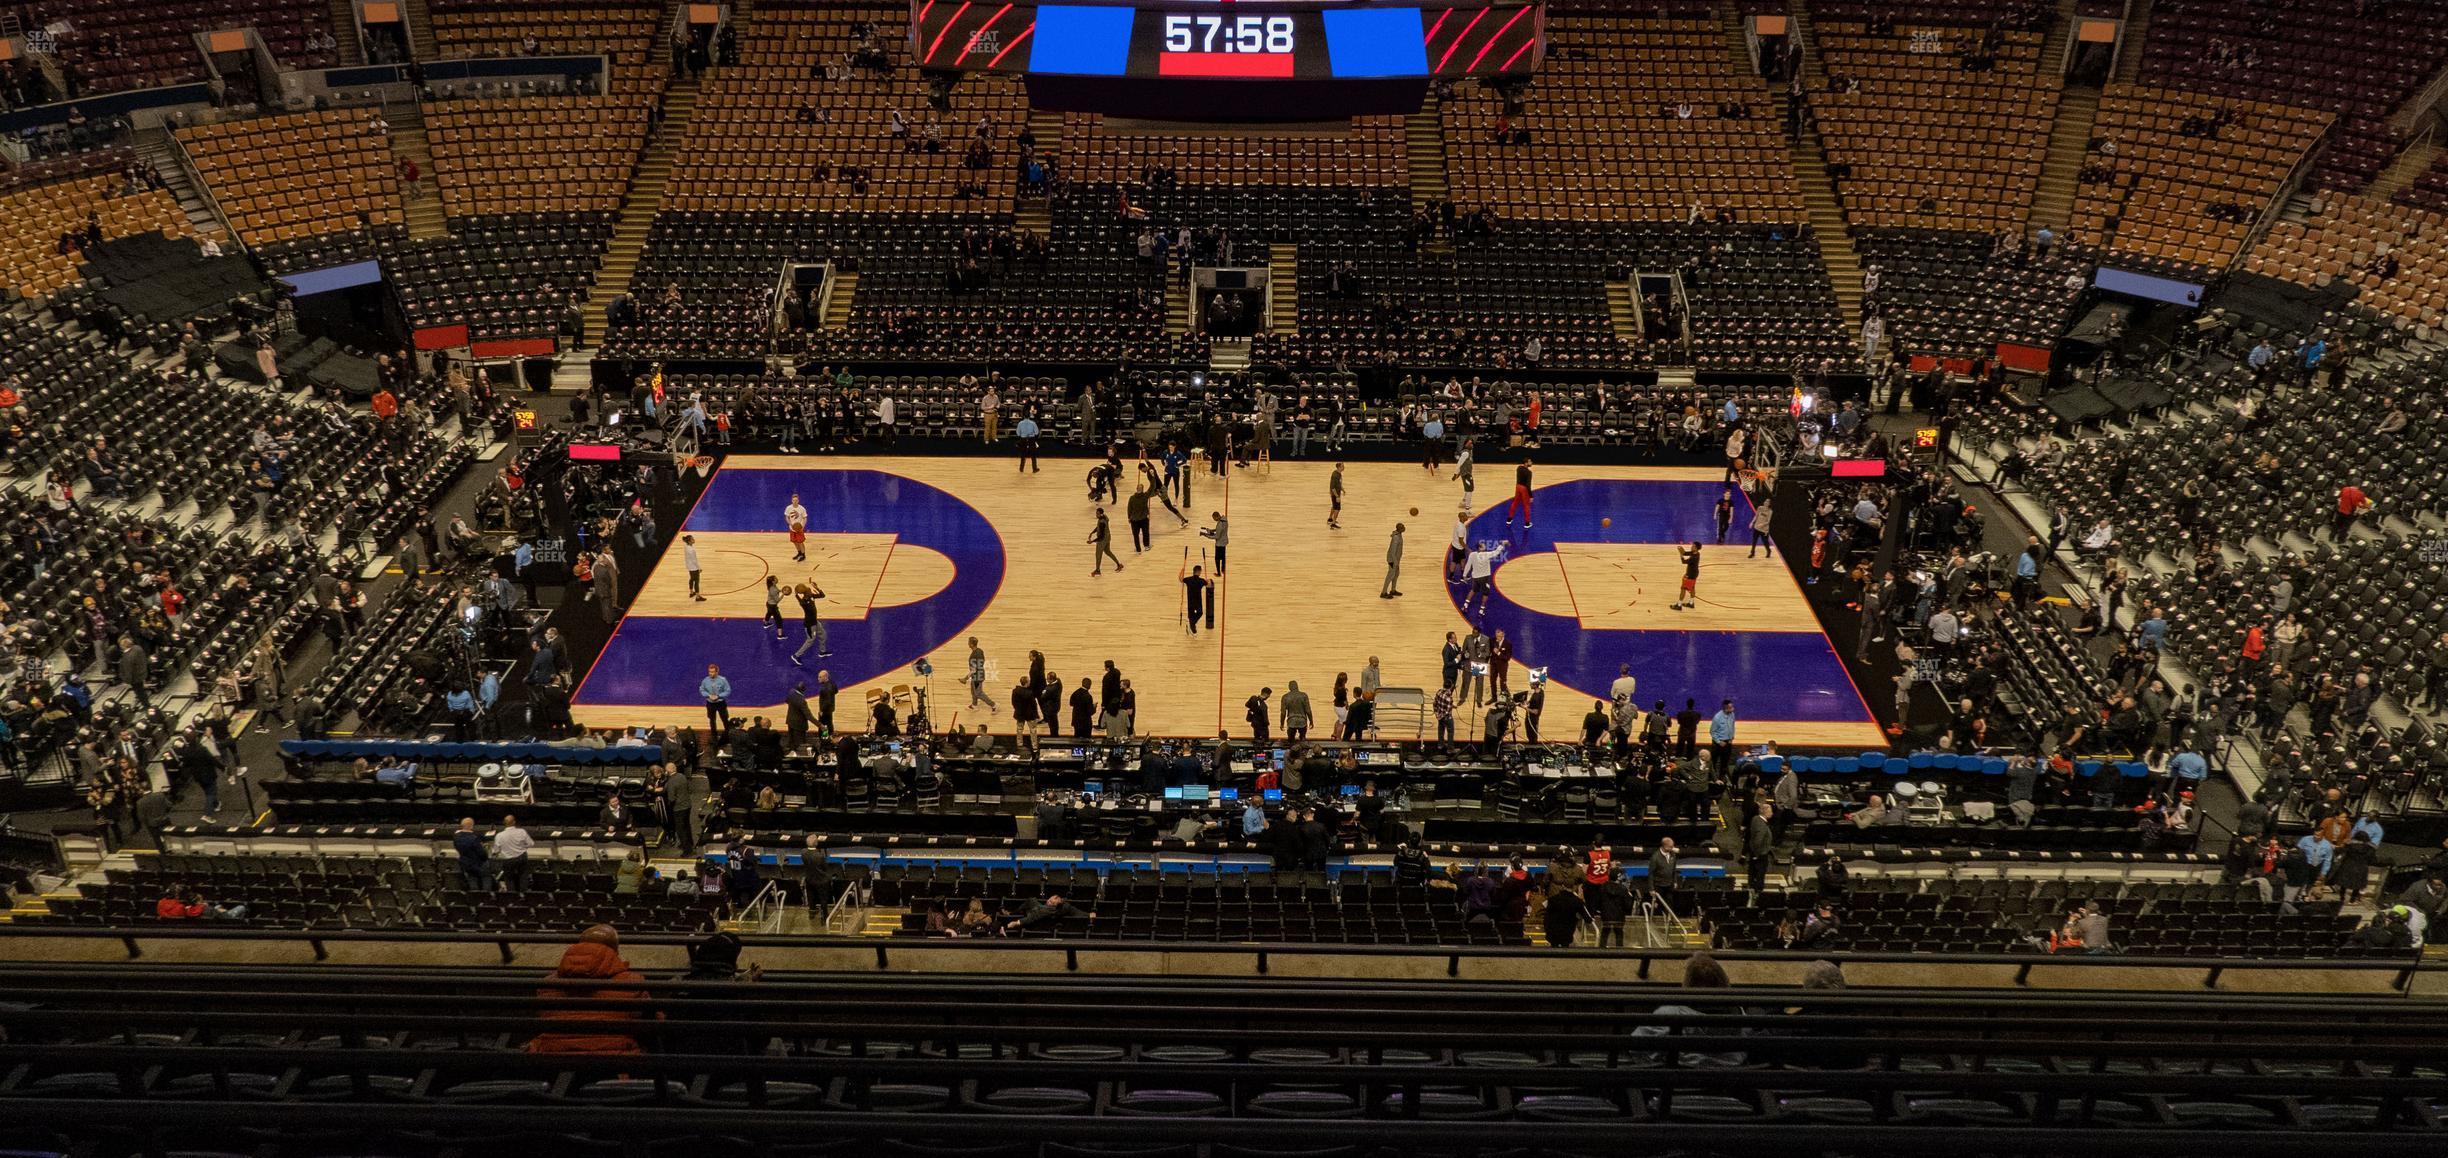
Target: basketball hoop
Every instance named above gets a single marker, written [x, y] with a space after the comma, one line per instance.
[703, 464]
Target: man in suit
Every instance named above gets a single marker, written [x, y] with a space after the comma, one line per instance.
[1759, 845]
[1083, 710]
[796, 717]
[1664, 875]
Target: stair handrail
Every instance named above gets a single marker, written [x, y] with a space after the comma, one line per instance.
[764, 913]
[2286, 191]
[195, 177]
[2425, 99]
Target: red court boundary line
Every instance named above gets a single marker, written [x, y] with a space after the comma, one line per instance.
[1784, 564]
[894, 542]
[660, 559]
[1566, 573]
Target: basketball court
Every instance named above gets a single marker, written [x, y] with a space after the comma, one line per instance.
[917, 555]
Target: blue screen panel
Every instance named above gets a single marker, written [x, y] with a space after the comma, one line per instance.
[1075, 40]
[1372, 42]
[2142, 285]
[315, 281]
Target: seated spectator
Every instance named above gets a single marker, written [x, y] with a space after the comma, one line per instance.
[1700, 971]
[1043, 914]
[596, 959]
[185, 904]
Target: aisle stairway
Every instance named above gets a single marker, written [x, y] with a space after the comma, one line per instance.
[640, 203]
[1283, 290]
[1620, 314]
[2061, 173]
[1826, 211]
[2136, 38]
[344, 30]
[1036, 214]
[840, 293]
[426, 217]
[155, 148]
[2401, 172]
[1424, 161]
[1177, 307]
[420, 29]
[2069, 132]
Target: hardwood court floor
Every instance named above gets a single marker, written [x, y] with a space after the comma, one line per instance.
[917, 555]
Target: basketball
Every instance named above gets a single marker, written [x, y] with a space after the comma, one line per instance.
[1606, 522]
[1415, 512]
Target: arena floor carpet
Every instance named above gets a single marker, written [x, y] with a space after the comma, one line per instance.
[917, 555]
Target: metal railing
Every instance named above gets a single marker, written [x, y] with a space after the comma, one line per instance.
[2287, 189]
[764, 914]
[2412, 111]
[2404, 974]
[109, 1051]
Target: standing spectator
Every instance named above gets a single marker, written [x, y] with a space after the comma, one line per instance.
[474, 873]
[2352, 503]
[1759, 847]
[1721, 738]
[511, 847]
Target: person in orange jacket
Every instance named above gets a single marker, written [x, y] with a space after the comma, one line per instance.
[595, 958]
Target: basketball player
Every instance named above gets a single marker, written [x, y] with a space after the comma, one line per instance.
[1725, 514]
[795, 516]
[1521, 496]
[1480, 569]
[1691, 578]
[1162, 489]
[1334, 499]
[773, 605]
[808, 593]
[1101, 539]
[688, 558]
[1194, 592]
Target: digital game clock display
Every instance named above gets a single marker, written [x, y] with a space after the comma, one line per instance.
[1253, 40]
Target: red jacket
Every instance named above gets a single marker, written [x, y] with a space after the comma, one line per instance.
[178, 910]
[593, 962]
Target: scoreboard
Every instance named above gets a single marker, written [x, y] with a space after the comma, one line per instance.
[1165, 58]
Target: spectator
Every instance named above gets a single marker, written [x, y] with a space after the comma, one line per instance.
[1700, 972]
[1042, 914]
[474, 872]
[511, 847]
[595, 959]
[184, 903]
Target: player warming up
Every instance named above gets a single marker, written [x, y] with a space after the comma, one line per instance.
[812, 623]
[1194, 595]
[795, 517]
[1687, 597]
[1521, 496]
